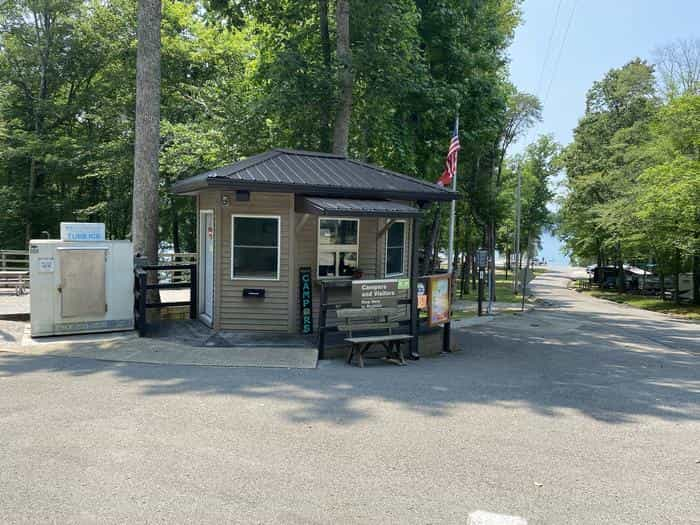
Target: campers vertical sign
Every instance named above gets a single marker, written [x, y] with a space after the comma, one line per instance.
[305, 304]
[375, 293]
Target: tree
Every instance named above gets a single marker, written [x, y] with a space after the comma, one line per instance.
[341, 128]
[604, 161]
[522, 111]
[667, 201]
[678, 65]
[144, 224]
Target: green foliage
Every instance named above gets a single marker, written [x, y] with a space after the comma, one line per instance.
[239, 77]
[633, 175]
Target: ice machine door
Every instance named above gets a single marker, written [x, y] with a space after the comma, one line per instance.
[82, 286]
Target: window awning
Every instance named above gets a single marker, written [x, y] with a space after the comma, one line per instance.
[353, 207]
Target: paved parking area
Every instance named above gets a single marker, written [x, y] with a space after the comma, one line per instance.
[581, 412]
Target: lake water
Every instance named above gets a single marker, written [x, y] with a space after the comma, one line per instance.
[552, 251]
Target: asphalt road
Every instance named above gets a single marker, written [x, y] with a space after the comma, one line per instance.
[580, 412]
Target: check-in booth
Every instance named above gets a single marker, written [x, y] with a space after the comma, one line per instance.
[278, 230]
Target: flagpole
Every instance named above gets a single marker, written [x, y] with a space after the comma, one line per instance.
[453, 207]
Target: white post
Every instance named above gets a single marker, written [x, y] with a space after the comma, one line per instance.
[453, 207]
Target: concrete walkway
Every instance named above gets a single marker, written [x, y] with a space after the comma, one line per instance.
[129, 348]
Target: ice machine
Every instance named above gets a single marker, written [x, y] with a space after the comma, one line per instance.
[80, 286]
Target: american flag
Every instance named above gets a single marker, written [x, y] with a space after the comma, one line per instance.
[451, 160]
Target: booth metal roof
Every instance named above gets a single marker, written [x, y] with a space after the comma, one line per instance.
[316, 174]
[354, 207]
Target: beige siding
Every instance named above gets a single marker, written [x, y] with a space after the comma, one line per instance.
[368, 247]
[305, 251]
[279, 310]
[371, 258]
[272, 312]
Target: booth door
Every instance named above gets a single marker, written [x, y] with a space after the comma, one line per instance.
[206, 266]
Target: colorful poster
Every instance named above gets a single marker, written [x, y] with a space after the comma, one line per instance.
[439, 299]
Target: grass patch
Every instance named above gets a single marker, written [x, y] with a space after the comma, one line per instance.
[504, 288]
[687, 311]
[463, 314]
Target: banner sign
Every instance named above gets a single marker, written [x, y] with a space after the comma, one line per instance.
[438, 299]
[305, 304]
[375, 293]
[82, 231]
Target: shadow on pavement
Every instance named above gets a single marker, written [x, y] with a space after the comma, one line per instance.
[609, 366]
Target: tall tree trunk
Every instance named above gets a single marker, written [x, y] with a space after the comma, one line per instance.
[341, 129]
[44, 39]
[145, 206]
[492, 256]
[326, 104]
[144, 218]
[696, 278]
[176, 229]
[620, 271]
[676, 276]
[430, 240]
[662, 283]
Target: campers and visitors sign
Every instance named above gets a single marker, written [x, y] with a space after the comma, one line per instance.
[376, 293]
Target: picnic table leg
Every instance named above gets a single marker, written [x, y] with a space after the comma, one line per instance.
[352, 351]
[361, 352]
[400, 352]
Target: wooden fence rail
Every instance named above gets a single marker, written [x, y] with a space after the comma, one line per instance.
[14, 260]
[18, 261]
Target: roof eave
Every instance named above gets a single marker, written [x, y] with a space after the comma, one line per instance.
[195, 184]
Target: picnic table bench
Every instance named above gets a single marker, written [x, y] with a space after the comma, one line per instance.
[17, 279]
[380, 322]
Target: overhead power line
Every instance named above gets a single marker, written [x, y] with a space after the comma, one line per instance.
[549, 47]
[561, 49]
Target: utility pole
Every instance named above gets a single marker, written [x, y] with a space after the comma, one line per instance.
[527, 266]
[516, 237]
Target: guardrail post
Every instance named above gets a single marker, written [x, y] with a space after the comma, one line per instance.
[193, 291]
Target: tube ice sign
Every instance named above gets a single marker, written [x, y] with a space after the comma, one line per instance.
[376, 293]
[82, 231]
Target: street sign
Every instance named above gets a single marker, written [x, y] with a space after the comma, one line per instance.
[375, 293]
[482, 257]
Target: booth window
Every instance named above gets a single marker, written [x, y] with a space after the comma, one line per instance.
[255, 242]
[337, 247]
[395, 241]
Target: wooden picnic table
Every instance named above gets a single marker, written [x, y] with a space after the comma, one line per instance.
[17, 279]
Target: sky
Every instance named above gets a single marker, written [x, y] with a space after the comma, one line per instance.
[563, 46]
[601, 35]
